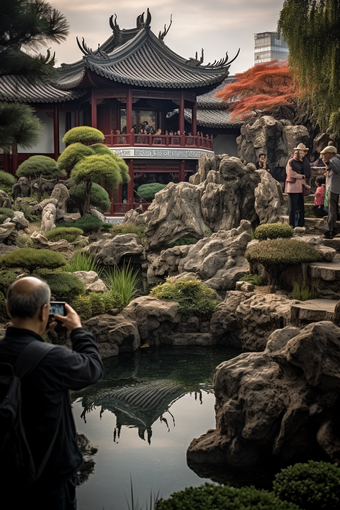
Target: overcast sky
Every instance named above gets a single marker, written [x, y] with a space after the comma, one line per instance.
[215, 25]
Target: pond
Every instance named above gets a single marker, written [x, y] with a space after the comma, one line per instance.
[142, 417]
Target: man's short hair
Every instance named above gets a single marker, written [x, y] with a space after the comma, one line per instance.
[26, 305]
[262, 154]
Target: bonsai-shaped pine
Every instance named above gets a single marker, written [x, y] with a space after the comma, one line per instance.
[6, 181]
[90, 164]
[39, 167]
[277, 254]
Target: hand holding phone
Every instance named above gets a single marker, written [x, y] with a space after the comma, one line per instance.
[70, 319]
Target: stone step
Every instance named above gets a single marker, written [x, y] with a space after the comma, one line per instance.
[327, 271]
[312, 310]
[317, 224]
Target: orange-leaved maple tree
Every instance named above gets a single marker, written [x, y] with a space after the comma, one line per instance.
[261, 90]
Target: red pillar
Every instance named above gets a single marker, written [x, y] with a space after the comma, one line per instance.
[182, 171]
[56, 132]
[181, 113]
[93, 110]
[194, 119]
[128, 112]
[130, 186]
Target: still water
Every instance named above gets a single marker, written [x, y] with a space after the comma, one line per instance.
[142, 417]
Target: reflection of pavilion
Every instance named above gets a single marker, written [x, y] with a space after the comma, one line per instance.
[140, 405]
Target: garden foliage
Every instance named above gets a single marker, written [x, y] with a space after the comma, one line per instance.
[5, 213]
[7, 180]
[127, 228]
[35, 166]
[70, 234]
[273, 231]
[64, 286]
[312, 485]
[83, 134]
[87, 224]
[148, 191]
[282, 251]
[123, 284]
[31, 259]
[82, 261]
[94, 303]
[99, 197]
[194, 297]
[254, 279]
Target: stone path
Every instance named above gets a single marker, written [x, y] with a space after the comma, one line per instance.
[313, 310]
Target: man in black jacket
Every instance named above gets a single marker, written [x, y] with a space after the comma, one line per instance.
[45, 400]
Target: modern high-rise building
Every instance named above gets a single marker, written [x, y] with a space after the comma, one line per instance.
[269, 46]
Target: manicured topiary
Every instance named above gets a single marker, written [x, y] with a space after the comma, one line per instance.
[195, 298]
[219, 497]
[35, 166]
[5, 213]
[88, 306]
[276, 254]
[70, 234]
[273, 231]
[87, 224]
[148, 191]
[64, 286]
[83, 134]
[72, 154]
[31, 259]
[127, 228]
[312, 485]
[99, 197]
[6, 181]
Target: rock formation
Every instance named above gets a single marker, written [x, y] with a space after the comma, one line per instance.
[91, 281]
[21, 188]
[48, 217]
[5, 200]
[61, 194]
[109, 253]
[282, 403]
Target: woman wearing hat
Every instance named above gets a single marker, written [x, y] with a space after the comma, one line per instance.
[295, 184]
[332, 163]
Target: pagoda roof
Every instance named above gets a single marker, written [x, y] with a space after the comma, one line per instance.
[19, 89]
[212, 118]
[138, 57]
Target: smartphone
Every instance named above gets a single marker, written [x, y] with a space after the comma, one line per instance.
[57, 307]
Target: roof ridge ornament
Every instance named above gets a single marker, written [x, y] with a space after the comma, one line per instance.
[162, 35]
[140, 23]
[194, 61]
[114, 25]
[223, 62]
[83, 47]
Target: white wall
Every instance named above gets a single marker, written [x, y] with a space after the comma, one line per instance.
[45, 144]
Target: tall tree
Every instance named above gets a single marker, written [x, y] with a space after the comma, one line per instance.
[26, 26]
[264, 89]
[312, 31]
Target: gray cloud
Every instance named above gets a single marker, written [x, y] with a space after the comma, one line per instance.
[217, 26]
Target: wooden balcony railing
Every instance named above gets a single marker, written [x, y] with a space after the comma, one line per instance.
[174, 141]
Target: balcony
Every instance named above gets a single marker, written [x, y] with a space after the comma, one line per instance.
[160, 141]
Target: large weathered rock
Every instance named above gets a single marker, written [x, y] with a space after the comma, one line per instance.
[41, 242]
[112, 251]
[91, 281]
[268, 198]
[282, 403]
[61, 194]
[113, 334]
[276, 138]
[20, 221]
[6, 229]
[21, 188]
[48, 217]
[5, 200]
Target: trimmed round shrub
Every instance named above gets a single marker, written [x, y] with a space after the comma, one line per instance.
[219, 497]
[194, 297]
[39, 165]
[72, 154]
[65, 286]
[87, 224]
[148, 191]
[93, 304]
[7, 277]
[282, 251]
[32, 259]
[311, 485]
[99, 197]
[273, 231]
[83, 134]
[5, 213]
[127, 228]
[69, 234]
[7, 179]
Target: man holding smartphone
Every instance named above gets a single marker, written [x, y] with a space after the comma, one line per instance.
[46, 409]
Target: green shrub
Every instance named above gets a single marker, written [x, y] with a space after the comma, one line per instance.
[23, 242]
[31, 259]
[254, 279]
[305, 291]
[7, 276]
[127, 228]
[82, 261]
[123, 284]
[70, 234]
[39, 165]
[83, 134]
[273, 231]
[93, 304]
[184, 241]
[64, 286]
[195, 298]
[219, 497]
[5, 213]
[88, 224]
[312, 485]
[148, 191]
[99, 197]
[3, 311]
[7, 179]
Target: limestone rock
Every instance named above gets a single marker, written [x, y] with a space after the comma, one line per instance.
[41, 205]
[112, 251]
[6, 229]
[41, 242]
[97, 214]
[245, 286]
[113, 334]
[91, 281]
[166, 264]
[71, 217]
[282, 403]
[48, 218]
[268, 198]
[5, 200]
[20, 221]
[21, 188]
[61, 194]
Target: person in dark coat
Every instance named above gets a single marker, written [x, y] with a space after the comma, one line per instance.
[46, 409]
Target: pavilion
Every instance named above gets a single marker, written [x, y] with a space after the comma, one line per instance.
[130, 82]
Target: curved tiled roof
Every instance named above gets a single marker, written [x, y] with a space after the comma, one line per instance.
[20, 89]
[212, 118]
[208, 100]
[144, 60]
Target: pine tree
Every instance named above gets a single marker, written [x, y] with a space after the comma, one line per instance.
[312, 31]
[264, 89]
[26, 26]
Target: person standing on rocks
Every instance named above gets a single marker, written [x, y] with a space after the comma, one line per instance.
[295, 182]
[332, 163]
[262, 163]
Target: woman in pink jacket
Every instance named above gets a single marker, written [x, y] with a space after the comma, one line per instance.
[295, 182]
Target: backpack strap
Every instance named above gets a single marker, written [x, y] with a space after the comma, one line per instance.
[29, 358]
